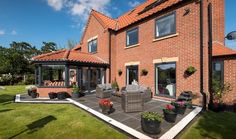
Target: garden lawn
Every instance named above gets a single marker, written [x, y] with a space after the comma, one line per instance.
[213, 125]
[19, 120]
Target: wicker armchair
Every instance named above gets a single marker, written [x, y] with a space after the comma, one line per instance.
[132, 102]
[103, 91]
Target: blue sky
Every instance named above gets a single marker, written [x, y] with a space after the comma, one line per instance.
[35, 21]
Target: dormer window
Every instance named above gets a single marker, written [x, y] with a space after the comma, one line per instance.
[132, 37]
[92, 46]
[165, 25]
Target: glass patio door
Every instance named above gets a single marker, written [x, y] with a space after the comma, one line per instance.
[165, 79]
[131, 74]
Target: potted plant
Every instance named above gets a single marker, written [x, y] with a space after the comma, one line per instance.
[115, 85]
[105, 105]
[190, 70]
[151, 122]
[169, 113]
[180, 106]
[119, 72]
[30, 88]
[144, 72]
[61, 95]
[76, 92]
[219, 90]
[52, 95]
[34, 93]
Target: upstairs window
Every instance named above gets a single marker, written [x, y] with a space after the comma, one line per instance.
[132, 37]
[165, 25]
[92, 46]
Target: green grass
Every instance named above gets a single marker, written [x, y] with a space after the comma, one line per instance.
[213, 125]
[24, 121]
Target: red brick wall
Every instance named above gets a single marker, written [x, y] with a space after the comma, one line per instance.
[218, 21]
[186, 46]
[229, 77]
[94, 28]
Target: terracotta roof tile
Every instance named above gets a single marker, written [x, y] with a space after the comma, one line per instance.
[133, 15]
[107, 21]
[70, 55]
[220, 50]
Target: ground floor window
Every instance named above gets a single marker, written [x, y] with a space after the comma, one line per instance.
[131, 74]
[165, 82]
[217, 74]
[53, 75]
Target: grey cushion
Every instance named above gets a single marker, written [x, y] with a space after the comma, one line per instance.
[132, 88]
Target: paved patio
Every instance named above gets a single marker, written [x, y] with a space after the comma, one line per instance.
[132, 120]
[129, 119]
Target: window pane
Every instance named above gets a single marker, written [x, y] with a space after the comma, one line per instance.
[132, 37]
[165, 25]
[217, 75]
[92, 46]
[166, 79]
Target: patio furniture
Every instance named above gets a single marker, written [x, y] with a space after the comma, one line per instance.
[132, 101]
[145, 91]
[104, 90]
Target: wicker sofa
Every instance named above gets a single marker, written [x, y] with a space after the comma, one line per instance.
[145, 92]
[104, 90]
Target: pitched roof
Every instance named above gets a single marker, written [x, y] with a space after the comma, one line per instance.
[106, 21]
[69, 55]
[219, 49]
[133, 15]
[138, 13]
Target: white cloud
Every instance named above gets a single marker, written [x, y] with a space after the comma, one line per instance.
[133, 4]
[13, 32]
[82, 8]
[2, 32]
[56, 4]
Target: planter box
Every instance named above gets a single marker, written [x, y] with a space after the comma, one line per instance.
[170, 117]
[151, 127]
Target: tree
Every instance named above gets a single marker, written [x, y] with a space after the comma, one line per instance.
[49, 47]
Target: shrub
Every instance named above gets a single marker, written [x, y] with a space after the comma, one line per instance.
[119, 72]
[190, 70]
[152, 116]
[115, 85]
[144, 72]
[76, 89]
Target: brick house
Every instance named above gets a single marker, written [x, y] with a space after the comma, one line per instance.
[162, 37]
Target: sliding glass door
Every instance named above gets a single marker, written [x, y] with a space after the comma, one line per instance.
[165, 82]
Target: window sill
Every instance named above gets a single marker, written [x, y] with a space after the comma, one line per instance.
[92, 53]
[132, 46]
[165, 37]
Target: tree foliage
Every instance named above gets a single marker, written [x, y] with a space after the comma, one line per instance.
[15, 60]
[48, 47]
